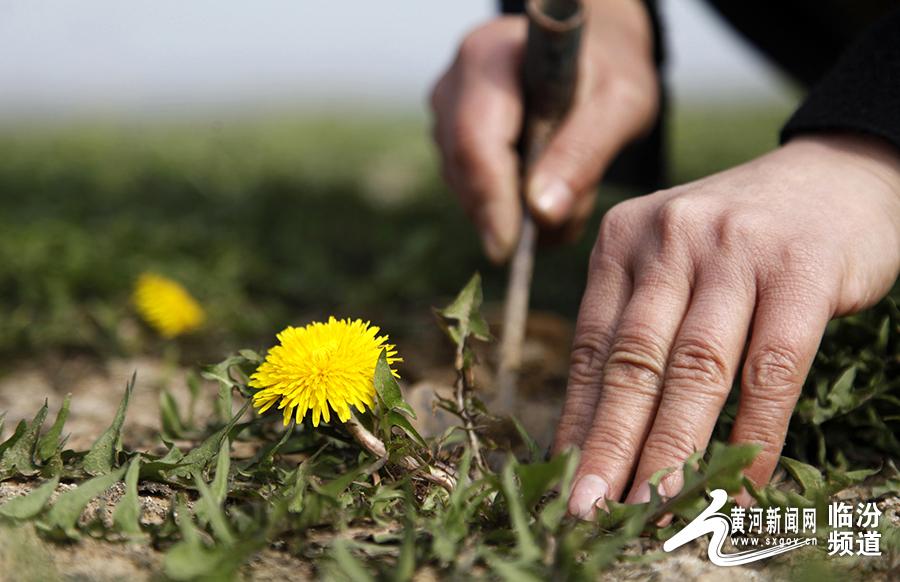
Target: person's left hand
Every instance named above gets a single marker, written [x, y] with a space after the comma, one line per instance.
[680, 281]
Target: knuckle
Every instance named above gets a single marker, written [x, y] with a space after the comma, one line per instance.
[773, 372]
[636, 360]
[586, 363]
[698, 363]
[614, 229]
[617, 446]
[734, 231]
[674, 219]
[763, 431]
[638, 96]
[476, 44]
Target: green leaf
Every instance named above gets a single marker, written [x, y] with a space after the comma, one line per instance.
[465, 310]
[19, 457]
[28, 506]
[394, 418]
[536, 479]
[555, 510]
[196, 460]
[218, 489]
[509, 571]
[251, 356]
[348, 566]
[191, 560]
[809, 478]
[387, 388]
[525, 543]
[102, 457]
[13, 438]
[127, 515]
[172, 425]
[726, 465]
[213, 513]
[841, 398]
[298, 481]
[534, 452]
[723, 471]
[51, 442]
[62, 518]
[219, 486]
[839, 480]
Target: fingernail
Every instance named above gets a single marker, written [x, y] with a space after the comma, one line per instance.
[744, 499]
[494, 250]
[552, 199]
[588, 494]
[640, 494]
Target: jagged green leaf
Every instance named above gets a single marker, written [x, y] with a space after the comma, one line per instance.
[196, 460]
[19, 457]
[213, 513]
[51, 442]
[526, 545]
[63, 516]
[808, 477]
[463, 318]
[388, 389]
[172, 425]
[127, 514]
[102, 457]
[30, 505]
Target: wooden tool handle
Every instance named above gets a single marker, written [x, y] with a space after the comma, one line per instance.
[550, 72]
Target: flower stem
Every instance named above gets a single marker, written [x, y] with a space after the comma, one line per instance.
[375, 446]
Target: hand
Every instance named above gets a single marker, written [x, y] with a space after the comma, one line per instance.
[763, 254]
[478, 115]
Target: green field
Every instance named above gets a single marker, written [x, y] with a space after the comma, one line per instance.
[264, 219]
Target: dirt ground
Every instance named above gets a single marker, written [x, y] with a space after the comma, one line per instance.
[96, 389]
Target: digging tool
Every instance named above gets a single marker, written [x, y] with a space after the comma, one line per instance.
[549, 78]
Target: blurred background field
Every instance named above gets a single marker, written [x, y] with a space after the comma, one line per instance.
[267, 220]
[275, 158]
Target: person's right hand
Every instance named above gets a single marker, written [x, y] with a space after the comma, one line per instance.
[478, 115]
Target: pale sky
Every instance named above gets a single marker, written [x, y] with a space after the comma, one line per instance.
[59, 57]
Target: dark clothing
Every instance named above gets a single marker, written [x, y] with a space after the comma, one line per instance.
[847, 52]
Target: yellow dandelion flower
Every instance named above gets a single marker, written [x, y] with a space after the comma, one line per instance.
[167, 306]
[319, 366]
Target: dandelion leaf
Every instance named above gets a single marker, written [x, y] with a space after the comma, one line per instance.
[196, 460]
[101, 459]
[127, 514]
[52, 442]
[61, 520]
[29, 506]
[463, 318]
[19, 457]
[388, 389]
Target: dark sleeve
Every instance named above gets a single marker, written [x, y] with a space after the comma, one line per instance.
[861, 92]
[512, 6]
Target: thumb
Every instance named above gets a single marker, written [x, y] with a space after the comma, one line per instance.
[573, 162]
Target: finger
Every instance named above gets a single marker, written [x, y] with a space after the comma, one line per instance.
[699, 375]
[478, 135]
[787, 330]
[607, 293]
[573, 162]
[630, 390]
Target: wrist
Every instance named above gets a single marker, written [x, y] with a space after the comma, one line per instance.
[620, 21]
[873, 154]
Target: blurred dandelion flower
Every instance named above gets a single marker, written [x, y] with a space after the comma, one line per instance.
[319, 366]
[167, 306]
